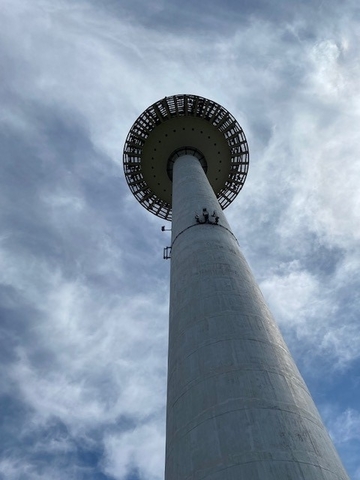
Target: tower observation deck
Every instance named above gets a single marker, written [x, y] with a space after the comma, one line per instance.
[237, 406]
[176, 125]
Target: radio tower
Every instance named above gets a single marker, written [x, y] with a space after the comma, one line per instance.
[237, 406]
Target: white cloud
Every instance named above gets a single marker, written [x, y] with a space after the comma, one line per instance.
[101, 360]
[328, 78]
[310, 315]
[141, 449]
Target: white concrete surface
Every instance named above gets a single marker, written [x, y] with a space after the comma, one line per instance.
[238, 408]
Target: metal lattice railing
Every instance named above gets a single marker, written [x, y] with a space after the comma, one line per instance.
[183, 106]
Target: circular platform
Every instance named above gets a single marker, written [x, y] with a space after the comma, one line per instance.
[184, 123]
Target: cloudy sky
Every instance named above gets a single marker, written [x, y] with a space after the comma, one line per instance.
[84, 288]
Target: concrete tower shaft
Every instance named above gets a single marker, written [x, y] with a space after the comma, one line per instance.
[237, 408]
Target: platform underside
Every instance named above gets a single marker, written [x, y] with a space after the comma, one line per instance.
[180, 122]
